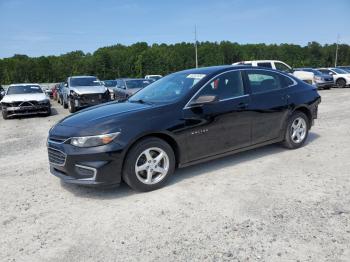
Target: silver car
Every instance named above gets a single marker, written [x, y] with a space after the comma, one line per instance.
[83, 91]
[126, 87]
[25, 99]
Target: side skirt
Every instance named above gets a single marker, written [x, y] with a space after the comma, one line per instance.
[181, 165]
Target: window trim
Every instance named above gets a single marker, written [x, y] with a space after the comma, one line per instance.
[187, 106]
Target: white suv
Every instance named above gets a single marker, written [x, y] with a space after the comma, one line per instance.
[279, 65]
[340, 76]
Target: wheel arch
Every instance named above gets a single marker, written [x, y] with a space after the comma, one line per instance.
[164, 136]
[304, 109]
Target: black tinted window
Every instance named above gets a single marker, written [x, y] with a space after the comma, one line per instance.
[286, 81]
[227, 85]
[267, 65]
[261, 81]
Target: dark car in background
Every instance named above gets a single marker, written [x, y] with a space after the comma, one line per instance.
[60, 89]
[126, 87]
[83, 91]
[182, 119]
[321, 80]
[2, 92]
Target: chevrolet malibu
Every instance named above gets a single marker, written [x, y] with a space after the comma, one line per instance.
[182, 119]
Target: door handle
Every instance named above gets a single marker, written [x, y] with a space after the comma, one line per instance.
[242, 105]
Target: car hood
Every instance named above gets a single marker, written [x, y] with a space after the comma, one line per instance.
[102, 114]
[23, 97]
[89, 89]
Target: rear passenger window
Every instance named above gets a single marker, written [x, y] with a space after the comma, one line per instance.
[225, 86]
[267, 65]
[286, 81]
[261, 81]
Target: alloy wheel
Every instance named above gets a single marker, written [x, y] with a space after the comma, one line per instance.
[298, 130]
[152, 166]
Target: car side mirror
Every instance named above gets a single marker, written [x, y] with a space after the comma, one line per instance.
[65, 84]
[203, 100]
[2, 93]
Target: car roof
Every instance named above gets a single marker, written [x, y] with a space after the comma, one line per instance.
[24, 84]
[82, 76]
[132, 79]
[215, 69]
[259, 61]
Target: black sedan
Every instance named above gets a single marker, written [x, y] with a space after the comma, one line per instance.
[182, 119]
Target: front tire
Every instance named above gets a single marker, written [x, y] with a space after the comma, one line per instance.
[297, 131]
[4, 114]
[71, 106]
[148, 164]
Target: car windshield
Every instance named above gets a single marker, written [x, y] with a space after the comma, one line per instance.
[136, 83]
[110, 83]
[167, 89]
[339, 71]
[84, 81]
[27, 89]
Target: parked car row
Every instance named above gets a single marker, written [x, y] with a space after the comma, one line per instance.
[322, 78]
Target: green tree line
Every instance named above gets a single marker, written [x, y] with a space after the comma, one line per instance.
[140, 59]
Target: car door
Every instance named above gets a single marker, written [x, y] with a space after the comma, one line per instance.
[269, 104]
[220, 126]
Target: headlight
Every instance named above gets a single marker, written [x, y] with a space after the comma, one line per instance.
[92, 141]
[318, 78]
[75, 94]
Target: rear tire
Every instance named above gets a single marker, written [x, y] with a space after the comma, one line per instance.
[341, 83]
[297, 130]
[149, 164]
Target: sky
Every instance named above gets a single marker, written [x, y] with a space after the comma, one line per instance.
[54, 27]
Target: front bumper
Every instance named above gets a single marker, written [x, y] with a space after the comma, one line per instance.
[26, 110]
[97, 166]
[327, 84]
[90, 100]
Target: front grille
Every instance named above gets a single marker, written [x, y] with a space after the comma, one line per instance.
[56, 157]
[23, 104]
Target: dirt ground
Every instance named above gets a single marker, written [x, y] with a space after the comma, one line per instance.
[269, 204]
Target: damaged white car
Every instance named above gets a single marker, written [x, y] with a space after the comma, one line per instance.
[83, 91]
[25, 99]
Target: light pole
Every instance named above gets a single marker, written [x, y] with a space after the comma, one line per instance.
[195, 44]
[336, 52]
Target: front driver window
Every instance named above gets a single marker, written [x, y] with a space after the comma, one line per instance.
[225, 86]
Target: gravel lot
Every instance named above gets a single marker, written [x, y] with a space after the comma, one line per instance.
[269, 204]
